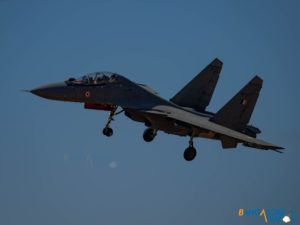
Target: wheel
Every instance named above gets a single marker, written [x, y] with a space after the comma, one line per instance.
[107, 131]
[149, 134]
[190, 153]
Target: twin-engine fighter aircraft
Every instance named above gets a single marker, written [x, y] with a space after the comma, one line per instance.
[184, 115]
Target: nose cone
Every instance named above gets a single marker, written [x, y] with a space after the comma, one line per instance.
[56, 91]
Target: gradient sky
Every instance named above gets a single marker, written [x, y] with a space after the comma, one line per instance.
[57, 168]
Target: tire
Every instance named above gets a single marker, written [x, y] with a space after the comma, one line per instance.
[108, 132]
[149, 135]
[190, 154]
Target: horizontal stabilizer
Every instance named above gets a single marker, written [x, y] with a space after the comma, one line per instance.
[198, 92]
[181, 116]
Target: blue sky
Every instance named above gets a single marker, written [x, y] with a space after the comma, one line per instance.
[57, 168]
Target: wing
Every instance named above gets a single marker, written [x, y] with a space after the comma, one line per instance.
[202, 122]
[198, 92]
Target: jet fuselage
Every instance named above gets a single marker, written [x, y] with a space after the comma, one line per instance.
[184, 115]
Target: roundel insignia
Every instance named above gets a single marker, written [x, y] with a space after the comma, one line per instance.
[87, 94]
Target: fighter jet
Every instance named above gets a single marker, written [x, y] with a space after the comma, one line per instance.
[184, 114]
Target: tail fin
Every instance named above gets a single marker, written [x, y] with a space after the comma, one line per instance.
[198, 92]
[237, 112]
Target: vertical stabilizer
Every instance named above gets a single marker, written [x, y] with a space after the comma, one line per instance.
[237, 112]
[198, 92]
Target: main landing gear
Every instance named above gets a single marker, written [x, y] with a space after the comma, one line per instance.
[190, 153]
[149, 134]
[107, 131]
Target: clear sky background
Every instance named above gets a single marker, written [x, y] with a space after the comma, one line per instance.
[57, 168]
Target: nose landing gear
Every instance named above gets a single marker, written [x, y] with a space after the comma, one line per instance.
[107, 131]
[190, 153]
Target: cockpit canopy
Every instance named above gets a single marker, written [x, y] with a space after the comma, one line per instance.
[95, 78]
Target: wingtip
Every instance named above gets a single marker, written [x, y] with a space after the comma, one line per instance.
[278, 149]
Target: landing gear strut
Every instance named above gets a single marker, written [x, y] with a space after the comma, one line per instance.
[149, 134]
[107, 131]
[190, 153]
